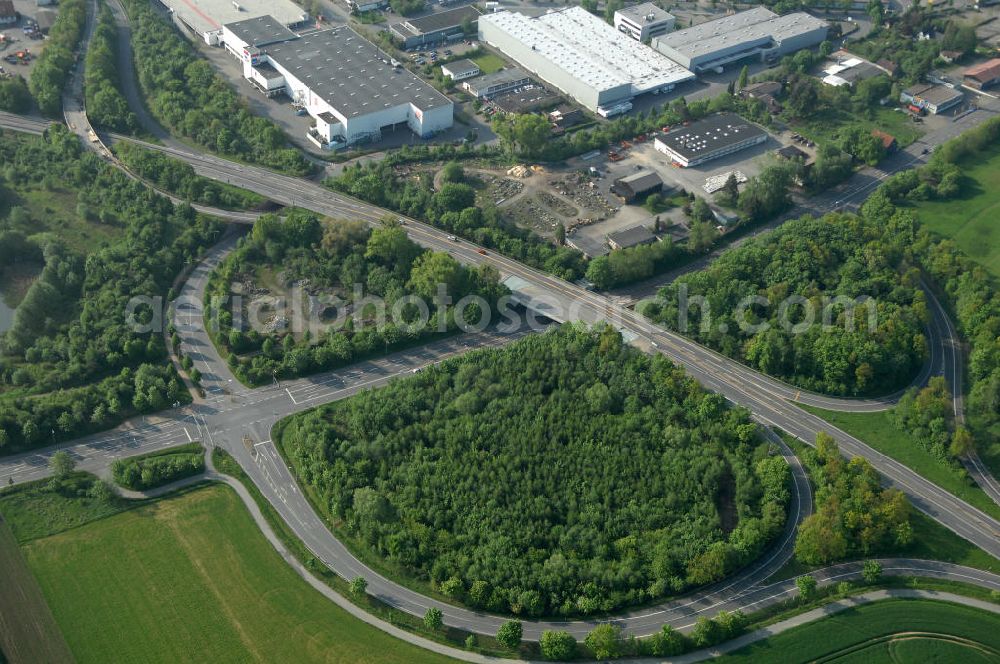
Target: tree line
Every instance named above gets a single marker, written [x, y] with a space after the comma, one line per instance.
[190, 99]
[106, 105]
[73, 364]
[152, 470]
[57, 61]
[790, 271]
[178, 178]
[968, 290]
[352, 262]
[565, 474]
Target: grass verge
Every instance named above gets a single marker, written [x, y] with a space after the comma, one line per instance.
[877, 430]
[972, 219]
[866, 634]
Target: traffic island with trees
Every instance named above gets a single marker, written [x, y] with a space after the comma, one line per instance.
[56, 63]
[149, 471]
[336, 280]
[190, 99]
[782, 330]
[567, 474]
[106, 105]
[73, 363]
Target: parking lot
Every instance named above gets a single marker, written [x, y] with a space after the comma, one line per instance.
[16, 40]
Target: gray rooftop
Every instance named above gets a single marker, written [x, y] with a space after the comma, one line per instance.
[499, 78]
[642, 180]
[631, 237]
[260, 31]
[710, 134]
[351, 73]
[438, 21]
[459, 67]
[934, 94]
[748, 26]
[638, 13]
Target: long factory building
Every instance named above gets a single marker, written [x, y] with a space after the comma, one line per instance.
[205, 18]
[584, 57]
[352, 89]
[755, 33]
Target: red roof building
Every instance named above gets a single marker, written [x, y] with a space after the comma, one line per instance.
[983, 75]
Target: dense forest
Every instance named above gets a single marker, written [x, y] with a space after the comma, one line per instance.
[178, 178]
[854, 515]
[838, 255]
[340, 266]
[192, 101]
[454, 209]
[72, 363]
[14, 94]
[106, 105]
[565, 474]
[55, 64]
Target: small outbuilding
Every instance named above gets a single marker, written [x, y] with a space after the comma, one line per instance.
[631, 237]
[638, 186]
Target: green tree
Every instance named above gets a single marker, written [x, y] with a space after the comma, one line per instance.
[741, 82]
[61, 464]
[509, 634]
[606, 641]
[532, 132]
[557, 646]
[962, 443]
[871, 571]
[359, 586]
[807, 586]
[452, 172]
[668, 642]
[433, 619]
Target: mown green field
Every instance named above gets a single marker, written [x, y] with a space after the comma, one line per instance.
[885, 632]
[191, 578]
[972, 219]
[489, 63]
[877, 430]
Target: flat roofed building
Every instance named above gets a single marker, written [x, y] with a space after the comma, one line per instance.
[754, 33]
[643, 22]
[206, 17]
[497, 83]
[347, 84]
[984, 75]
[713, 137]
[246, 38]
[434, 28]
[581, 55]
[460, 70]
[630, 237]
[932, 98]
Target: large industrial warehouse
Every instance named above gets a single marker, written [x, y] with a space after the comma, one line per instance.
[581, 55]
[754, 33]
[350, 87]
[206, 17]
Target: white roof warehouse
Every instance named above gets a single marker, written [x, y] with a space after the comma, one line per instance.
[754, 33]
[346, 83]
[581, 55]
